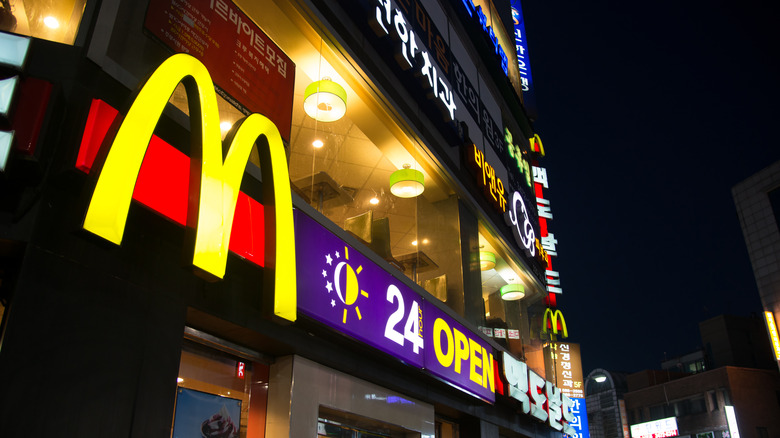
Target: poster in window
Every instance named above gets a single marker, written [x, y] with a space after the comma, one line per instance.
[250, 70]
[205, 415]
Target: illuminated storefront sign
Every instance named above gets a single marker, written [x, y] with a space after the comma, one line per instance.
[342, 288]
[666, 427]
[554, 322]
[214, 200]
[518, 157]
[579, 424]
[548, 240]
[515, 213]
[731, 419]
[521, 47]
[568, 368]
[477, 13]
[456, 355]
[486, 178]
[772, 326]
[538, 398]
[414, 54]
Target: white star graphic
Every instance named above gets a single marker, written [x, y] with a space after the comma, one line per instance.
[324, 274]
[329, 287]
[338, 255]
[332, 303]
[328, 259]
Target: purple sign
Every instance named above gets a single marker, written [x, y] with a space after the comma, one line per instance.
[340, 287]
[457, 355]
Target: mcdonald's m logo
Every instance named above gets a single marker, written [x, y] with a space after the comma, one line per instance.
[553, 320]
[209, 194]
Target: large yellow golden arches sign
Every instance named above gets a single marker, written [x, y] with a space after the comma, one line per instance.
[554, 315]
[213, 183]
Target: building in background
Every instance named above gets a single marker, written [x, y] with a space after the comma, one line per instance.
[731, 384]
[273, 218]
[717, 403]
[758, 205]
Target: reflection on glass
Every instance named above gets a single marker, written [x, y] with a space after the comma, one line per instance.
[51, 20]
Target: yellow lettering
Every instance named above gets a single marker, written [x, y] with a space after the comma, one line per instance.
[461, 349]
[488, 377]
[476, 362]
[440, 326]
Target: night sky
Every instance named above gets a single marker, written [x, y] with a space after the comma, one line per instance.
[650, 112]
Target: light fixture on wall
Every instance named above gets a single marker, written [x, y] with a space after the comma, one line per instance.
[325, 100]
[487, 260]
[407, 182]
[512, 292]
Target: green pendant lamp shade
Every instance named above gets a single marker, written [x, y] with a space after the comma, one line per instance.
[325, 100]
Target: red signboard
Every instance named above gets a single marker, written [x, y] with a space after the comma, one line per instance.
[249, 69]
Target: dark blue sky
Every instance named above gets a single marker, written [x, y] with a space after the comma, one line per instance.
[649, 115]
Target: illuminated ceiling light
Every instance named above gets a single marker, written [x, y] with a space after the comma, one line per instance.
[487, 260]
[373, 201]
[225, 126]
[414, 242]
[179, 380]
[512, 292]
[325, 100]
[600, 378]
[425, 241]
[13, 50]
[406, 182]
[51, 22]
[317, 143]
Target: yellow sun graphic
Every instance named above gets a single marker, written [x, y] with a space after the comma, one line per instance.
[349, 290]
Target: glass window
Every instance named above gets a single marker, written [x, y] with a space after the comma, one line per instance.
[337, 424]
[56, 21]
[513, 310]
[219, 394]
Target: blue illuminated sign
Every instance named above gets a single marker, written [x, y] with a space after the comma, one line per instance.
[580, 423]
[521, 45]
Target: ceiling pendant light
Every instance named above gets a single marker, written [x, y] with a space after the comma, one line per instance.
[325, 100]
[487, 260]
[407, 182]
[512, 292]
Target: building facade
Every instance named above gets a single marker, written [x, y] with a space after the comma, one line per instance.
[273, 218]
[718, 403]
[758, 205]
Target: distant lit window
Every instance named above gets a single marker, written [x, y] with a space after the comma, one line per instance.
[45, 19]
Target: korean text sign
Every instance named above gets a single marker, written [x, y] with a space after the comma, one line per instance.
[246, 65]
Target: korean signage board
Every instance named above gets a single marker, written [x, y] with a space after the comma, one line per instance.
[516, 210]
[663, 428]
[538, 398]
[567, 367]
[579, 424]
[251, 71]
[419, 53]
[521, 47]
